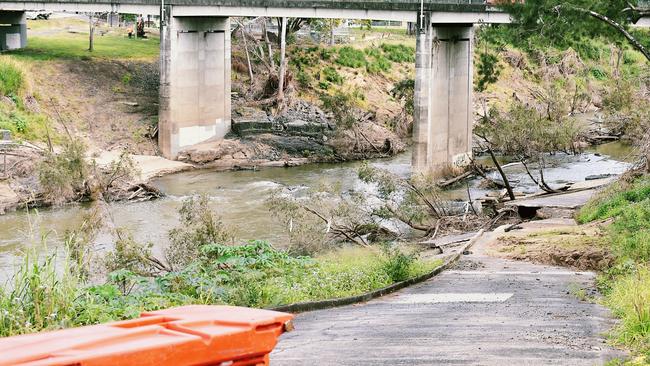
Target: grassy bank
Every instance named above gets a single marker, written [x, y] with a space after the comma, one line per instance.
[53, 293]
[626, 285]
[17, 111]
[75, 46]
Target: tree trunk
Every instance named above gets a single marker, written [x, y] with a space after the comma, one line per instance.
[248, 57]
[332, 32]
[268, 43]
[91, 39]
[283, 46]
[506, 182]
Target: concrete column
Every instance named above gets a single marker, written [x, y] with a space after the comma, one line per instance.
[449, 106]
[195, 81]
[451, 131]
[422, 90]
[13, 30]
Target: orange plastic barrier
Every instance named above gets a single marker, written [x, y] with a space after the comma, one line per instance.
[188, 335]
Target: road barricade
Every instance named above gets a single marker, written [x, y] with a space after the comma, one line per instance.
[182, 336]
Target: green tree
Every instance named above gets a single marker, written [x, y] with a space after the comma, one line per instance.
[561, 23]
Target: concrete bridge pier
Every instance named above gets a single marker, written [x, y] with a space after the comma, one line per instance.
[442, 132]
[13, 30]
[194, 81]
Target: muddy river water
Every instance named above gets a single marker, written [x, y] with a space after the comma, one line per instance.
[239, 198]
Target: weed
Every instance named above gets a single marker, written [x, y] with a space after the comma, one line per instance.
[378, 62]
[351, 57]
[12, 77]
[397, 264]
[332, 76]
[399, 52]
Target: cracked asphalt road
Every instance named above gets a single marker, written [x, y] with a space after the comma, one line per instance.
[461, 318]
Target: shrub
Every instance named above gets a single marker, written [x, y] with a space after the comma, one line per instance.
[199, 226]
[326, 54]
[378, 62]
[342, 106]
[333, 76]
[305, 57]
[351, 57]
[397, 264]
[304, 79]
[62, 176]
[399, 52]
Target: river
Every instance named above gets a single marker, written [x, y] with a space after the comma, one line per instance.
[239, 198]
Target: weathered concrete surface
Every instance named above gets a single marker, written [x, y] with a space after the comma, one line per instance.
[564, 200]
[541, 323]
[148, 166]
[442, 130]
[194, 82]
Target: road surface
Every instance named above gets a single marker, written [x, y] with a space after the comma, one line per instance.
[485, 311]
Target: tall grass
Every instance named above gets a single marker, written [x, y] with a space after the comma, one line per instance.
[629, 206]
[40, 297]
[627, 285]
[12, 78]
[629, 299]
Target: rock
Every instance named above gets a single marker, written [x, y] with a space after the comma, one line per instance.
[239, 155]
[8, 198]
[296, 146]
[250, 121]
[304, 119]
[303, 128]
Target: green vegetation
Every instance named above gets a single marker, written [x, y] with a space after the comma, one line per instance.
[629, 206]
[75, 46]
[14, 114]
[331, 75]
[351, 57]
[399, 52]
[56, 292]
[378, 63]
[627, 284]
[63, 175]
[12, 78]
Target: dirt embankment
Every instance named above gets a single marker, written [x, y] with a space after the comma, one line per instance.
[111, 105]
[558, 242]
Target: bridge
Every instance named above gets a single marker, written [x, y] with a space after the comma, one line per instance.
[195, 49]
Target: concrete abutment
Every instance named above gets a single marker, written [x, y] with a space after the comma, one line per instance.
[13, 30]
[442, 131]
[194, 81]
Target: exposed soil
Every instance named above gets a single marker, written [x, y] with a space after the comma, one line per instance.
[578, 247]
[110, 104]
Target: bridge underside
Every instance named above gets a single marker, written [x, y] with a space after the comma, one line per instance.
[13, 30]
[195, 67]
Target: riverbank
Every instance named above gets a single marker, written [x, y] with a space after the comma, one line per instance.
[66, 288]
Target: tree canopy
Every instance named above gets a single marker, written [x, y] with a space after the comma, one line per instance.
[564, 23]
